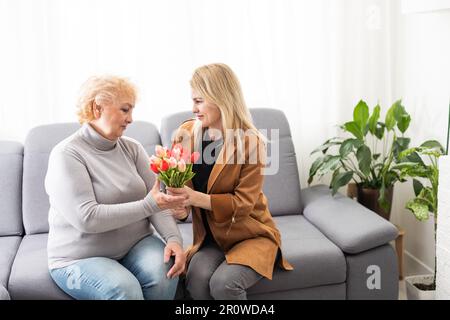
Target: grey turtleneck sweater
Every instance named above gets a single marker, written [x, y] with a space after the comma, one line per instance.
[100, 205]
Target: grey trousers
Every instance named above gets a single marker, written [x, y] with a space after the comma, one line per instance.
[209, 276]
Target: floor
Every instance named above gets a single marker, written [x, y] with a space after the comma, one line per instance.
[401, 290]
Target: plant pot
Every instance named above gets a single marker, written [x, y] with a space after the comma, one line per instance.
[369, 198]
[414, 293]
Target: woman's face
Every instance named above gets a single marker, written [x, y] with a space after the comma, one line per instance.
[207, 112]
[114, 118]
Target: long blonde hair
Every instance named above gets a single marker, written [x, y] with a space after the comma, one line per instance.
[218, 84]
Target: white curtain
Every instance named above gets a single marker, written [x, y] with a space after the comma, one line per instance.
[312, 59]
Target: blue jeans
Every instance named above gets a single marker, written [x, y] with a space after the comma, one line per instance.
[141, 274]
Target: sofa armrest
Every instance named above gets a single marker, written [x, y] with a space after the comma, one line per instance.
[4, 295]
[351, 226]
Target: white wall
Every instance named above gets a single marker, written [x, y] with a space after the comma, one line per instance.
[422, 78]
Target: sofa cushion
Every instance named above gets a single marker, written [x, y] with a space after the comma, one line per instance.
[363, 268]
[30, 277]
[328, 292]
[38, 145]
[316, 260]
[351, 226]
[8, 250]
[11, 159]
[281, 185]
[186, 234]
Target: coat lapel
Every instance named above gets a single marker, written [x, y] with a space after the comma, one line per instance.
[225, 155]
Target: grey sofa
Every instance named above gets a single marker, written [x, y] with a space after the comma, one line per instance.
[339, 249]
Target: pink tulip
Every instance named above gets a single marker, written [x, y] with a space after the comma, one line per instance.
[155, 160]
[173, 162]
[160, 151]
[181, 165]
[194, 157]
[176, 153]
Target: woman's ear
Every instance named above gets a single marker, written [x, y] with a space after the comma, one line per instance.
[97, 110]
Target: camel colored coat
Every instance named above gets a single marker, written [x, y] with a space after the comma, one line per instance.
[240, 220]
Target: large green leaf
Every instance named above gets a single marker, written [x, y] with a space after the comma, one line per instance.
[433, 144]
[403, 123]
[335, 173]
[418, 186]
[426, 194]
[354, 129]
[402, 117]
[419, 208]
[373, 120]
[390, 116]
[364, 157]
[417, 171]
[400, 144]
[408, 152]
[341, 179]
[406, 165]
[382, 201]
[348, 145]
[413, 157]
[390, 178]
[361, 114]
[327, 144]
[329, 164]
[379, 130]
[315, 166]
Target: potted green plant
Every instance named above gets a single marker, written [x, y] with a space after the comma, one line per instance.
[424, 203]
[368, 156]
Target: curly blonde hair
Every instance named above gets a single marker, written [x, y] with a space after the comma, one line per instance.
[102, 90]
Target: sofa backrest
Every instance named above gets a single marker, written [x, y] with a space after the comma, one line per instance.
[281, 188]
[11, 159]
[38, 145]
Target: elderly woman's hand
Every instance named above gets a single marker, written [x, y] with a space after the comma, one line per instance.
[174, 249]
[166, 201]
[181, 212]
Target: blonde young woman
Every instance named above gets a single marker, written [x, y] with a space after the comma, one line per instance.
[104, 203]
[236, 242]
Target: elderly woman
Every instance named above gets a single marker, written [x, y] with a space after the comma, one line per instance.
[104, 201]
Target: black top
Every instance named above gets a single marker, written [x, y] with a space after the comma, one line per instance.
[202, 168]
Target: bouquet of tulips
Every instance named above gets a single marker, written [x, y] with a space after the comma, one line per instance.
[173, 167]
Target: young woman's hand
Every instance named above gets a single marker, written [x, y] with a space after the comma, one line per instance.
[194, 198]
[183, 192]
[166, 201]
